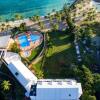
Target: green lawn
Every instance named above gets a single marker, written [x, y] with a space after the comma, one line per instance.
[35, 52]
[61, 54]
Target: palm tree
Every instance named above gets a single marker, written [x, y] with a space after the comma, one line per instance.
[8, 26]
[2, 29]
[69, 21]
[5, 85]
[55, 27]
[41, 24]
[18, 16]
[58, 16]
[38, 18]
[22, 27]
[51, 19]
[3, 25]
[33, 18]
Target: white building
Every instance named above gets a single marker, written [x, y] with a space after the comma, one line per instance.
[42, 89]
[59, 89]
[4, 41]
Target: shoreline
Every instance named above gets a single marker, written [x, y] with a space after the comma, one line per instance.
[29, 22]
[18, 22]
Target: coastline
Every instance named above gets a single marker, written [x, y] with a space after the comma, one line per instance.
[18, 22]
[29, 22]
[28, 8]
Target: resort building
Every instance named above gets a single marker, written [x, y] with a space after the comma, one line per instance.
[58, 89]
[40, 89]
[4, 41]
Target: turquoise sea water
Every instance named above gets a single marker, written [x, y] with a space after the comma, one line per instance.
[28, 8]
[8, 8]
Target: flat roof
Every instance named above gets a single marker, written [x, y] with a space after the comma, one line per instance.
[43, 89]
[4, 41]
[56, 83]
[22, 74]
[50, 89]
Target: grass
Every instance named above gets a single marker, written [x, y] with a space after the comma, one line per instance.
[35, 52]
[62, 53]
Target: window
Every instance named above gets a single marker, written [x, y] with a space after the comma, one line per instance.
[16, 73]
[69, 95]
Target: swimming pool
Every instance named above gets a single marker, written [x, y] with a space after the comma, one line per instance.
[34, 37]
[23, 40]
[27, 8]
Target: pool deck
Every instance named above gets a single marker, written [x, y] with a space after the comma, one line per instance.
[32, 45]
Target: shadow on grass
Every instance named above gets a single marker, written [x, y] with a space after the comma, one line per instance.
[59, 58]
[57, 64]
[59, 38]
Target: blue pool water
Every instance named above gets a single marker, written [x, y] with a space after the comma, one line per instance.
[34, 37]
[23, 41]
[8, 8]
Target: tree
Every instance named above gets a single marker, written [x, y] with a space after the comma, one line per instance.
[86, 96]
[5, 85]
[41, 24]
[97, 82]
[71, 27]
[77, 33]
[86, 79]
[69, 71]
[40, 74]
[55, 27]
[14, 31]
[51, 19]
[37, 18]
[3, 25]
[58, 16]
[22, 27]
[18, 16]
[69, 21]
[8, 26]
[15, 48]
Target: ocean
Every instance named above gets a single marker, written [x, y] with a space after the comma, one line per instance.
[28, 8]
